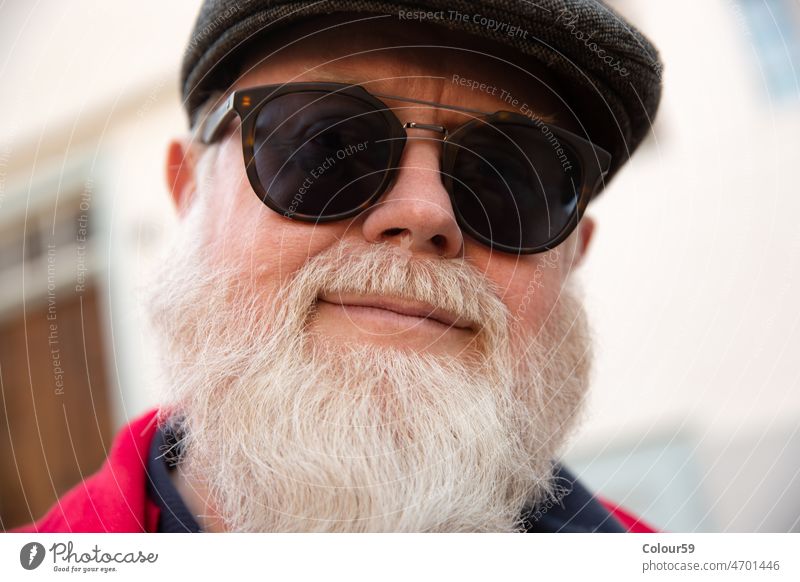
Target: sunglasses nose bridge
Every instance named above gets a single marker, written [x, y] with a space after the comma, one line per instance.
[430, 127]
[437, 128]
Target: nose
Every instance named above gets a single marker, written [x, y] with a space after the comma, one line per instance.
[416, 213]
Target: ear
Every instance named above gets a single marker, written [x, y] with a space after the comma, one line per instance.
[582, 239]
[181, 166]
[585, 233]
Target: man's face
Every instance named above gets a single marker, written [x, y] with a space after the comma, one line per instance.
[415, 216]
[380, 304]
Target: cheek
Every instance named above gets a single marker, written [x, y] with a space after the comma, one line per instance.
[528, 285]
[241, 231]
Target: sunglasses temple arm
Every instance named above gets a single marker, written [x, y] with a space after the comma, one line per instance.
[217, 120]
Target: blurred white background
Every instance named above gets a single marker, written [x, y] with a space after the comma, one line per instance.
[691, 283]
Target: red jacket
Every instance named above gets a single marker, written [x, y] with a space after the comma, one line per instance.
[115, 500]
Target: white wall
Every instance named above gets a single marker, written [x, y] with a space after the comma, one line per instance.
[95, 84]
[695, 271]
[691, 282]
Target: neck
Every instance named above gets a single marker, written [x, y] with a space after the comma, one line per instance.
[196, 497]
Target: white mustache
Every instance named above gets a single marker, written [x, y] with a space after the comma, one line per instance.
[447, 286]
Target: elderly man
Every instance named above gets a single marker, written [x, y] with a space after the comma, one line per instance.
[367, 319]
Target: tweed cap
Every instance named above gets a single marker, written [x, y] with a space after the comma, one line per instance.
[610, 73]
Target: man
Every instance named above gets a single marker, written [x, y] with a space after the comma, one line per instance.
[368, 319]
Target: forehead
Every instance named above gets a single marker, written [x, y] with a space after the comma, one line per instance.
[419, 60]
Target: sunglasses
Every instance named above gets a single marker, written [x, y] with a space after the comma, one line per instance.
[321, 152]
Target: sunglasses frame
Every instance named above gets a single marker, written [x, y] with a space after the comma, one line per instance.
[247, 103]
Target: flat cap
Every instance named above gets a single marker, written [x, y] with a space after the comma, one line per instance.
[610, 73]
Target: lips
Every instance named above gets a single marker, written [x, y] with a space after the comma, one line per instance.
[406, 307]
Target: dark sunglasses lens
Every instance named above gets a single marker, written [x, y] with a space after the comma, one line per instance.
[514, 186]
[320, 154]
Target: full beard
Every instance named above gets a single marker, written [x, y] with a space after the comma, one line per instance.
[288, 432]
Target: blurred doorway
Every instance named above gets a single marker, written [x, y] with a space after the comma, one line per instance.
[55, 421]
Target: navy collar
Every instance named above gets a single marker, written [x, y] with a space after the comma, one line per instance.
[174, 517]
[573, 509]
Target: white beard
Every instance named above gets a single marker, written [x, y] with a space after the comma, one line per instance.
[289, 433]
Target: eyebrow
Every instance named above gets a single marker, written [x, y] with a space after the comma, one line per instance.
[341, 76]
